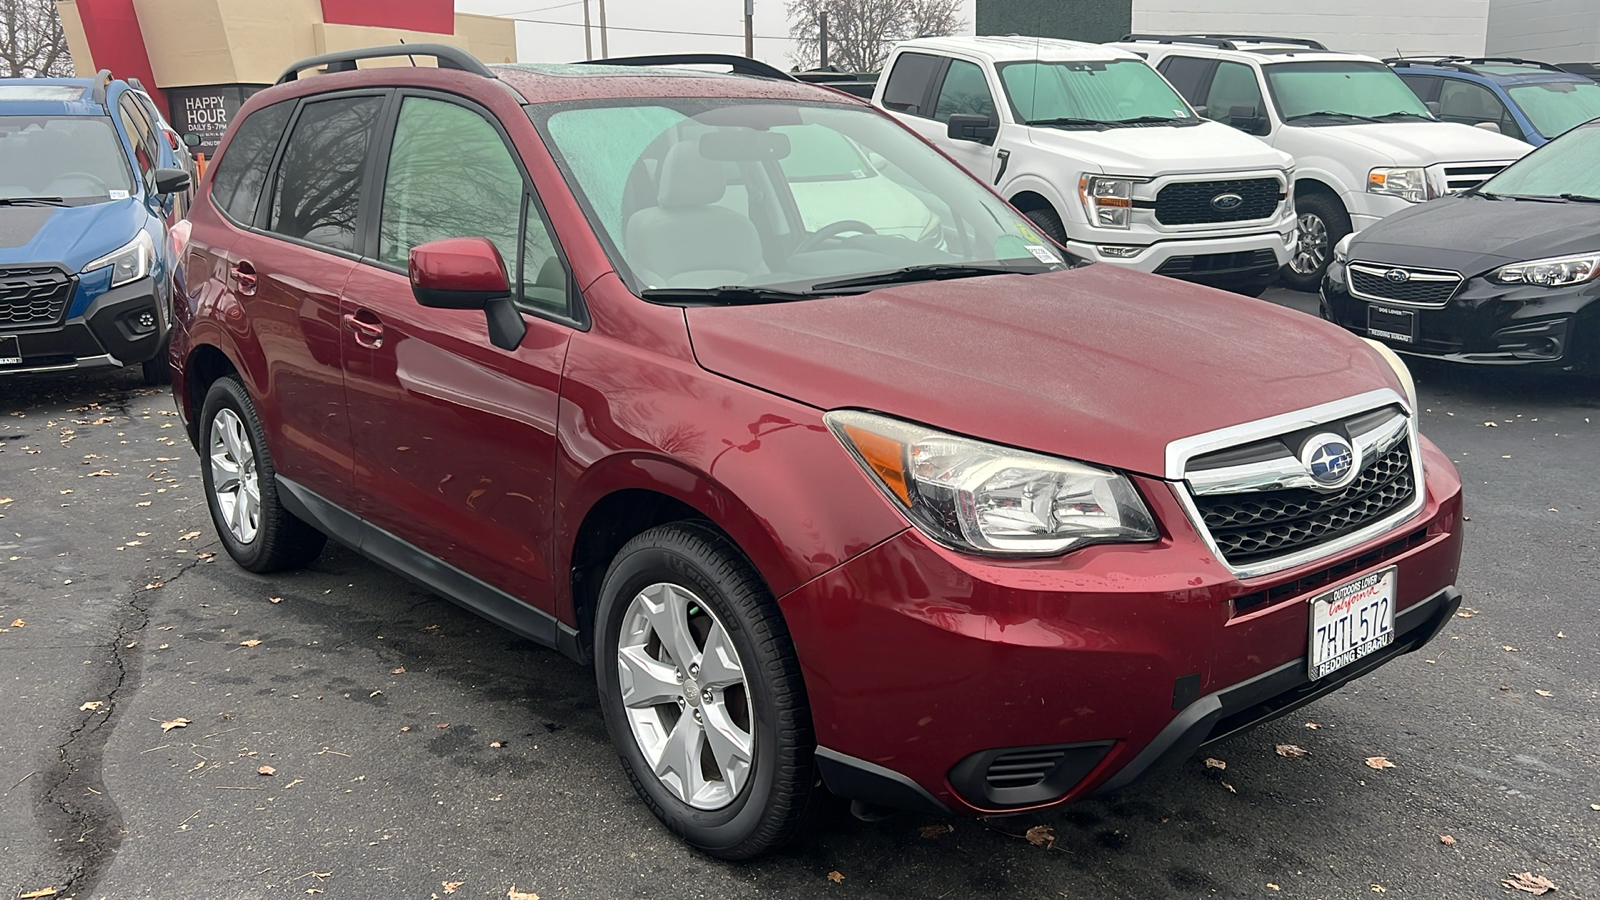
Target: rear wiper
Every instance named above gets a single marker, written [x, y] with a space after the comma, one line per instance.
[911, 274]
[33, 201]
[727, 295]
[1579, 198]
[1068, 122]
[1325, 113]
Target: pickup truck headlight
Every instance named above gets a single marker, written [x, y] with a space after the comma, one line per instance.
[1559, 271]
[1107, 201]
[992, 500]
[128, 263]
[1407, 184]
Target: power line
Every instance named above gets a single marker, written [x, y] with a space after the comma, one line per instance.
[760, 37]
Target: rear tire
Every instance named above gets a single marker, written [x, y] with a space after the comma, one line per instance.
[1323, 222]
[241, 486]
[716, 734]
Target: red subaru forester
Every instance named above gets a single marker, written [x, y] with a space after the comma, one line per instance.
[835, 470]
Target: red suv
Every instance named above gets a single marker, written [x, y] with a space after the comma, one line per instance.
[835, 470]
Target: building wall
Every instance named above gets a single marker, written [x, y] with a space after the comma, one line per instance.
[1376, 27]
[1080, 20]
[1548, 30]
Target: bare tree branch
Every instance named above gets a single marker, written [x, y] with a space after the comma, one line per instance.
[32, 41]
[861, 32]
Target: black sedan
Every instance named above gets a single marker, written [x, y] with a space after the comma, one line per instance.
[1502, 274]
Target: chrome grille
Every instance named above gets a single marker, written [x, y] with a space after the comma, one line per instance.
[1419, 287]
[1189, 202]
[32, 296]
[1469, 175]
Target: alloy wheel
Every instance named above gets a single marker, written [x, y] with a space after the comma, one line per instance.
[1311, 247]
[233, 476]
[686, 697]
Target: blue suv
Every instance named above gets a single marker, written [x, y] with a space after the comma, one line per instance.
[1530, 101]
[90, 187]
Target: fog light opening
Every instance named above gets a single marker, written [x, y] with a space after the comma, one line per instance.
[1118, 251]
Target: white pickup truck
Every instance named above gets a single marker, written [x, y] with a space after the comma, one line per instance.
[1364, 145]
[1101, 154]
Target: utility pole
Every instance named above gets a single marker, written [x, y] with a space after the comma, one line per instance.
[605, 52]
[588, 40]
[822, 37]
[750, 28]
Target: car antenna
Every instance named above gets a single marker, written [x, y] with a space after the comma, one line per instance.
[409, 56]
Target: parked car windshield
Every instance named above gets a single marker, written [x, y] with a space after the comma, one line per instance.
[1556, 107]
[1341, 89]
[73, 159]
[1102, 90]
[709, 193]
[1569, 166]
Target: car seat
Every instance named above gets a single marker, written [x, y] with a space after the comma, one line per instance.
[686, 240]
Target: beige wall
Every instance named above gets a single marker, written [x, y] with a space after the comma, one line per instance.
[77, 41]
[491, 39]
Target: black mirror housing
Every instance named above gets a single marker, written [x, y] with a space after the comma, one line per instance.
[171, 181]
[191, 139]
[1248, 120]
[978, 129]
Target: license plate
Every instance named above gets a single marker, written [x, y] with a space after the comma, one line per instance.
[1351, 621]
[1391, 324]
[10, 350]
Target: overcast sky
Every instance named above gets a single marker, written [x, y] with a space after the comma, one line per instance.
[552, 30]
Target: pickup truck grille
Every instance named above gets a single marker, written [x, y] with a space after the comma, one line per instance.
[1418, 287]
[1461, 176]
[1191, 202]
[33, 296]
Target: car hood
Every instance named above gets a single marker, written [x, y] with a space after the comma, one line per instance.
[71, 236]
[1471, 235]
[1099, 363]
[1423, 143]
[1161, 150]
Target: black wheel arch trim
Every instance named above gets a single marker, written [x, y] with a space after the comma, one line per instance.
[869, 782]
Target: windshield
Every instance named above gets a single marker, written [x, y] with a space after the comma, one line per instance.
[1344, 88]
[75, 159]
[1556, 107]
[700, 193]
[1570, 165]
[1104, 91]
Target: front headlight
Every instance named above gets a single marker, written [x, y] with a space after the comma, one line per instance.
[1407, 184]
[1557, 271]
[1107, 201]
[128, 263]
[993, 500]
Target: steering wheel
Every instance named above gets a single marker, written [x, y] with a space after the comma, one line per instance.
[831, 233]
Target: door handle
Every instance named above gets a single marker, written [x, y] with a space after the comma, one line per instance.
[243, 276]
[368, 330]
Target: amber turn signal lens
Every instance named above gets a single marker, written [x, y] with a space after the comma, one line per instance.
[887, 458]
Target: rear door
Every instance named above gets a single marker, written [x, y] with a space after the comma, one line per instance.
[454, 438]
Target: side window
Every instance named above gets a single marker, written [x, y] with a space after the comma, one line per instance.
[318, 191]
[1426, 87]
[1233, 85]
[451, 175]
[138, 132]
[907, 88]
[1470, 104]
[242, 171]
[964, 91]
[1187, 73]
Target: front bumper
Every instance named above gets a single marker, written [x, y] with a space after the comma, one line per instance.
[107, 334]
[1486, 323]
[1226, 261]
[926, 668]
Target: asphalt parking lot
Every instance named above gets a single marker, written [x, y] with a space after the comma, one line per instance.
[176, 727]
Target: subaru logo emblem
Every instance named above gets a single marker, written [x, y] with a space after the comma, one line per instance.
[1397, 276]
[1226, 202]
[1330, 460]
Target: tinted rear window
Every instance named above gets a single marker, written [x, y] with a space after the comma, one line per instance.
[319, 181]
[242, 171]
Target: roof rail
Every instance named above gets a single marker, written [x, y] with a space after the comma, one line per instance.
[102, 80]
[741, 65]
[1219, 43]
[1512, 60]
[1265, 39]
[444, 55]
[1465, 64]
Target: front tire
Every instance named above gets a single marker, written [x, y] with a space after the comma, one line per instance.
[702, 692]
[241, 486]
[1049, 223]
[1323, 222]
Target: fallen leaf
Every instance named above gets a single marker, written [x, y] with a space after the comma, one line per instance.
[1379, 762]
[399, 671]
[515, 894]
[1465, 613]
[17, 623]
[274, 599]
[929, 832]
[442, 725]
[1273, 887]
[35, 895]
[1530, 883]
[1508, 648]
[1447, 840]
[170, 724]
[190, 536]
[1595, 806]
[250, 643]
[430, 629]
[1313, 726]
[1379, 889]
[91, 705]
[100, 474]
[1291, 751]
[142, 503]
[1543, 693]
[1041, 836]
[1491, 425]
[405, 727]
[1231, 788]
[450, 887]
[836, 876]
[266, 770]
[1215, 764]
[497, 744]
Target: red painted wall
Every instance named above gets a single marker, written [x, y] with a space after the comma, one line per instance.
[413, 15]
[116, 43]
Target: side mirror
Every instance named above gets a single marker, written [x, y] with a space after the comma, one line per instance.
[1488, 126]
[1433, 107]
[171, 181]
[978, 129]
[468, 273]
[1248, 120]
[191, 139]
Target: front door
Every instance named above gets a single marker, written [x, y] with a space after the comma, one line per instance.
[455, 438]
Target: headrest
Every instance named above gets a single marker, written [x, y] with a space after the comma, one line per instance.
[689, 179]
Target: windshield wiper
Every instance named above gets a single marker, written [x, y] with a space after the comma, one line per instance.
[1402, 114]
[1150, 120]
[1068, 122]
[1579, 198]
[726, 295]
[1327, 113]
[911, 274]
[33, 201]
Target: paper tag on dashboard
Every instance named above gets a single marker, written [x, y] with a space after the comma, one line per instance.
[1044, 254]
[119, 195]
